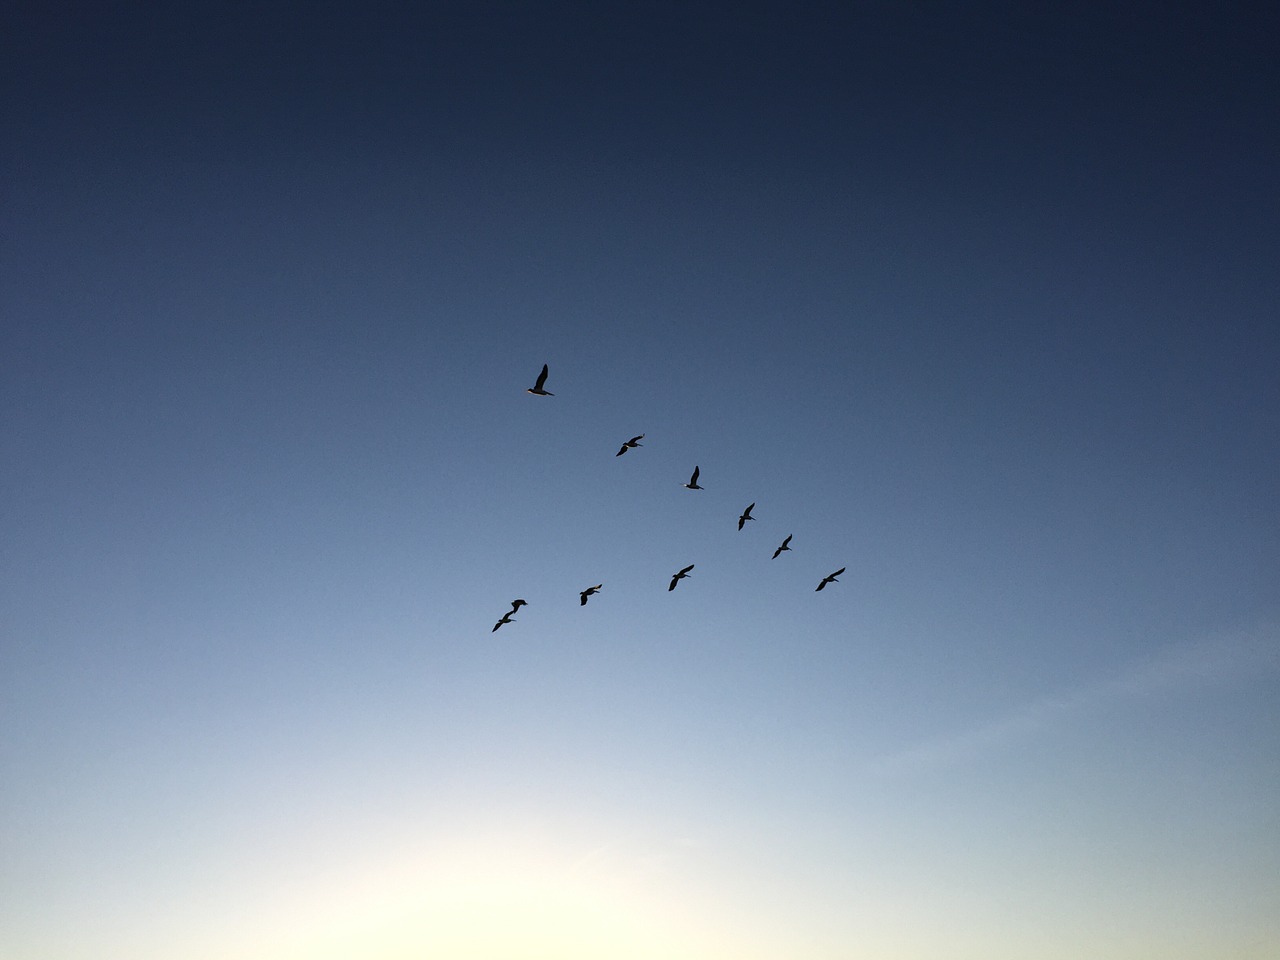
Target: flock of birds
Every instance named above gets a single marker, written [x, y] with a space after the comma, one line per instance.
[539, 390]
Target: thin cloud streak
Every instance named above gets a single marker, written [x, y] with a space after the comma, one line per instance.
[1179, 669]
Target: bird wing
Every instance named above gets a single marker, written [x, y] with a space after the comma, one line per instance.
[776, 553]
[788, 540]
[694, 478]
[635, 441]
[838, 572]
[674, 581]
[686, 570]
[622, 451]
[542, 378]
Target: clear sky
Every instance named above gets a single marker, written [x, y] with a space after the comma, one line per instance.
[975, 300]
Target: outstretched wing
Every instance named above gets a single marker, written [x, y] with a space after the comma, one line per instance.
[542, 378]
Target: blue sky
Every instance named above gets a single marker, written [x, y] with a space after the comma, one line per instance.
[975, 301]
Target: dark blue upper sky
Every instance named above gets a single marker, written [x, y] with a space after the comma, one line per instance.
[931, 88]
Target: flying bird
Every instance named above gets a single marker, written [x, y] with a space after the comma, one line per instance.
[506, 618]
[830, 578]
[784, 546]
[679, 576]
[517, 604]
[633, 442]
[746, 515]
[693, 481]
[536, 389]
[588, 592]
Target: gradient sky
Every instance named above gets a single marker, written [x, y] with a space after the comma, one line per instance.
[978, 300]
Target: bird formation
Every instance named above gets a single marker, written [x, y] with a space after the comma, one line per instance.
[539, 389]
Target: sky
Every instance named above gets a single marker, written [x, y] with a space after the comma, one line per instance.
[976, 301]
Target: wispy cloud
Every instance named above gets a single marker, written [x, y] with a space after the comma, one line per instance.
[1175, 670]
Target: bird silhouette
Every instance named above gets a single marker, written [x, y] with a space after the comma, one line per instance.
[633, 442]
[693, 481]
[746, 515]
[830, 578]
[517, 604]
[536, 389]
[506, 618]
[588, 592]
[679, 576]
[784, 546]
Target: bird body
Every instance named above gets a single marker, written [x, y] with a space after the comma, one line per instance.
[679, 576]
[693, 481]
[536, 389]
[784, 546]
[746, 515]
[830, 578]
[633, 442]
[588, 592]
